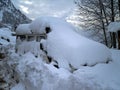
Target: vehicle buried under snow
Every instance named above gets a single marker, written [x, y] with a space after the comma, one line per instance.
[60, 42]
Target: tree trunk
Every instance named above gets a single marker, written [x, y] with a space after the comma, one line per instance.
[111, 40]
[112, 11]
[103, 8]
[103, 24]
[119, 31]
[113, 19]
[119, 7]
[114, 40]
[118, 39]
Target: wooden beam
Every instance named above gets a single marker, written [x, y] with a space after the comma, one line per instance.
[13, 34]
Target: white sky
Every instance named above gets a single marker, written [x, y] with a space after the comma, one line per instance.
[37, 8]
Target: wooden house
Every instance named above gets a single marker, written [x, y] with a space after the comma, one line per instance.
[24, 33]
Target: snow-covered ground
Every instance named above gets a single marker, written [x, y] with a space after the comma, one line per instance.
[36, 75]
[64, 45]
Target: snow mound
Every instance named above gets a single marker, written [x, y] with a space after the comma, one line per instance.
[36, 75]
[39, 25]
[104, 74]
[23, 29]
[67, 47]
[6, 36]
[114, 27]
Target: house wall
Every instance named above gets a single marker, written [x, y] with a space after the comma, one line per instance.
[27, 38]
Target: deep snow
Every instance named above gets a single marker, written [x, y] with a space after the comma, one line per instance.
[36, 75]
[68, 47]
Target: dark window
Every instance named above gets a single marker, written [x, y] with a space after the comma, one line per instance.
[31, 38]
[38, 38]
[22, 37]
[47, 29]
[43, 37]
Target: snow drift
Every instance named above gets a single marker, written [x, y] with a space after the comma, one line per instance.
[67, 47]
[36, 75]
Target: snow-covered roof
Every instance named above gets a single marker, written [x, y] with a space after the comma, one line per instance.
[39, 24]
[23, 29]
[6, 34]
[114, 27]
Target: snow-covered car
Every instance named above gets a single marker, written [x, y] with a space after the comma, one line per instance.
[67, 47]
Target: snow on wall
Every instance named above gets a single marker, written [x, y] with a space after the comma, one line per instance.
[32, 46]
[67, 47]
[23, 29]
[114, 27]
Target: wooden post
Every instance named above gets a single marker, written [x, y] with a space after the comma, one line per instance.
[114, 40]
[118, 39]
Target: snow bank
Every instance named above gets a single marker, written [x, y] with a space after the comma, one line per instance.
[104, 74]
[6, 36]
[23, 29]
[67, 47]
[114, 27]
[36, 75]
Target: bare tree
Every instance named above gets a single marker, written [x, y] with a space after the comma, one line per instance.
[94, 15]
[102, 12]
[97, 14]
[119, 7]
[119, 31]
[112, 20]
